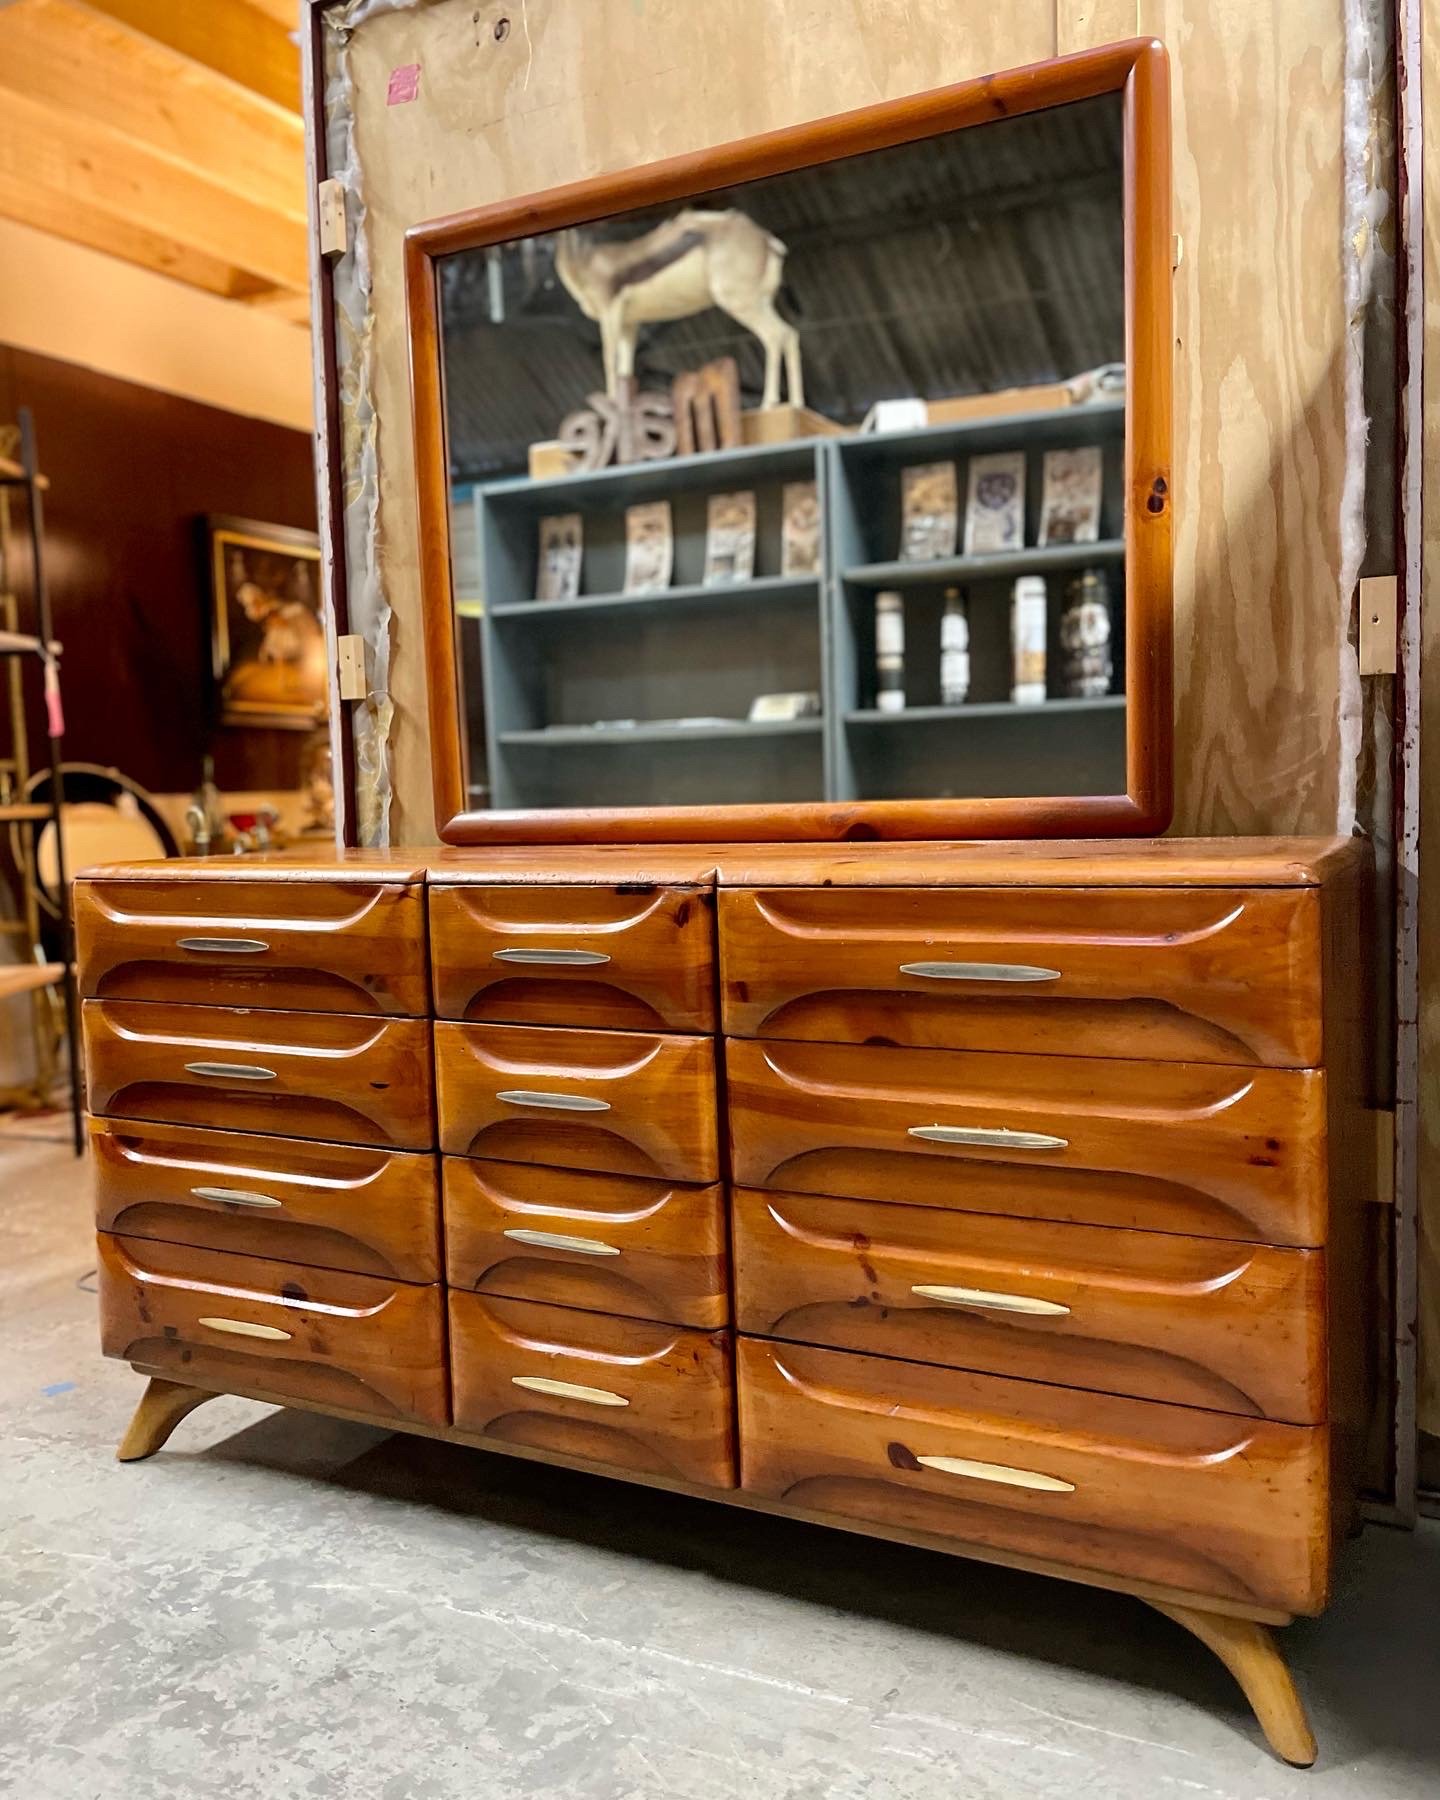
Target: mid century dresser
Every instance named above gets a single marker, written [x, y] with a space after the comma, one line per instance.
[998, 1198]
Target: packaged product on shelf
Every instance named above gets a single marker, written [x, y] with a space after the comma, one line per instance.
[954, 649]
[800, 529]
[995, 503]
[1027, 641]
[562, 543]
[649, 547]
[730, 537]
[889, 653]
[1070, 496]
[928, 512]
[1086, 666]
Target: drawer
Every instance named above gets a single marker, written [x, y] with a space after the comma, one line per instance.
[331, 1206]
[632, 958]
[1182, 1147]
[244, 1321]
[316, 946]
[1185, 975]
[316, 1075]
[613, 1101]
[607, 1243]
[1219, 1507]
[656, 1399]
[1193, 1321]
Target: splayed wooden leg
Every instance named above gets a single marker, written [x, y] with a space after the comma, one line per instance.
[1249, 1651]
[162, 1406]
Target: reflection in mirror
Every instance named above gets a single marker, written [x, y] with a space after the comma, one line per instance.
[807, 489]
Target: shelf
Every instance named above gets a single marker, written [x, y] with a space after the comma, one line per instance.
[615, 487]
[1054, 428]
[992, 709]
[954, 570]
[765, 590]
[22, 812]
[25, 978]
[569, 737]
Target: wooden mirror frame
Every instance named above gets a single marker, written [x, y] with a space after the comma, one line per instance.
[1138, 70]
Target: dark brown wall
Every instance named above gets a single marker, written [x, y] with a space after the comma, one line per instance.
[130, 469]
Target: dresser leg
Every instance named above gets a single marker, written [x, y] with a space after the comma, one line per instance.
[162, 1406]
[1249, 1651]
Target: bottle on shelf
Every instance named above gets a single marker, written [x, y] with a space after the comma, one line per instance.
[954, 649]
[1027, 641]
[889, 653]
[1087, 667]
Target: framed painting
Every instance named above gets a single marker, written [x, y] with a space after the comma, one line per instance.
[266, 635]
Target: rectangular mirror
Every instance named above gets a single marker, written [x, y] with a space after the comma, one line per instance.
[812, 487]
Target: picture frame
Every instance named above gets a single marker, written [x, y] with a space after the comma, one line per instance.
[268, 655]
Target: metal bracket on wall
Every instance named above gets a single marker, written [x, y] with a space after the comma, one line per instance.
[350, 666]
[331, 214]
[1378, 642]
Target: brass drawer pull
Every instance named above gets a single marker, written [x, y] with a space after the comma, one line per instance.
[231, 1071]
[234, 1197]
[998, 1472]
[572, 959]
[213, 946]
[568, 1390]
[996, 1302]
[555, 1240]
[561, 1102]
[243, 1328]
[967, 971]
[992, 1137]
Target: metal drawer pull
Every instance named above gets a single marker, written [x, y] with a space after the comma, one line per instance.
[568, 1390]
[999, 1472]
[995, 1137]
[1014, 1303]
[243, 1328]
[963, 971]
[555, 1240]
[573, 959]
[232, 1071]
[561, 1102]
[234, 1197]
[209, 946]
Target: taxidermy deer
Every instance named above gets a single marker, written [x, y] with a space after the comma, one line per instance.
[695, 260]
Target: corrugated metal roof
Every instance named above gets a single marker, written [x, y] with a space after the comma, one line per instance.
[983, 259]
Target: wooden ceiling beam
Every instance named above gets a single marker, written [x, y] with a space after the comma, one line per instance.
[94, 168]
[244, 42]
[75, 60]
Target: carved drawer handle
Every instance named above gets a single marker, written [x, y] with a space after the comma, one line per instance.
[968, 971]
[213, 946]
[568, 1390]
[555, 1240]
[994, 1137]
[243, 1328]
[231, 1071]
[561, 1102]
[573, 959]
[235, 1197]
[998, 1472]
[988, 1297]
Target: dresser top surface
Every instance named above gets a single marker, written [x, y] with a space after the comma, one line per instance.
[1110, 862]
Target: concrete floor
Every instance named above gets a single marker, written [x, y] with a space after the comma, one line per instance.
[282, 1606]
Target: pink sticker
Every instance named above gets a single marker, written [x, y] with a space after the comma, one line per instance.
[404, 84]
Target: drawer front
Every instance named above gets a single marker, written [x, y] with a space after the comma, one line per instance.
[1183, 1147]
[1191, 1321]
[1187, 975]
[1216, 1506]
[612, 1101]
[653, 1398]
[606, 1243]
[316, 946]
[314, 1075]
[246, 1321]
[627, 958]
[331, 1206]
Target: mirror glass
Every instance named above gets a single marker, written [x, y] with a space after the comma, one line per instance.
[807, 489]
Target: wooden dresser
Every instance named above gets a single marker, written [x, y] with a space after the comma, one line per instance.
[999, 1198]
